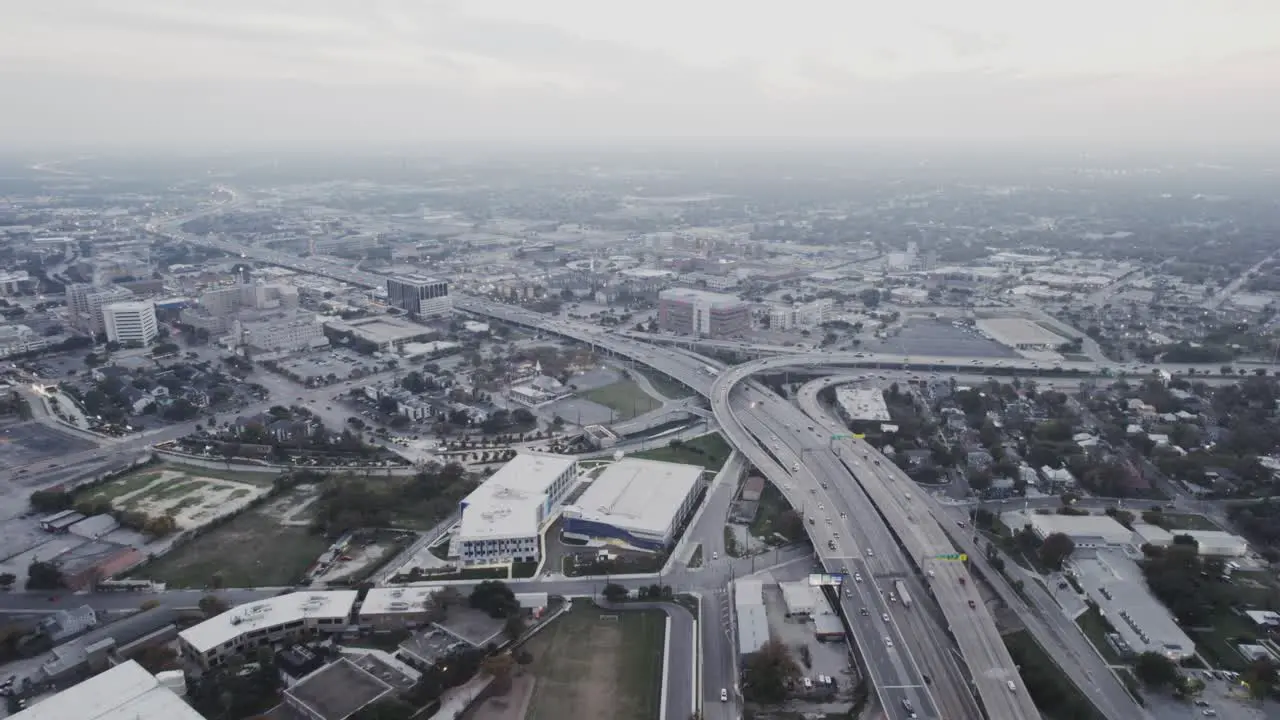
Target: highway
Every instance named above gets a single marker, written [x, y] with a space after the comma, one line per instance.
[1056, 632]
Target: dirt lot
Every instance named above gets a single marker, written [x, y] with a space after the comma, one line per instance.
[255, 549]
[192, 498]
[587, 666]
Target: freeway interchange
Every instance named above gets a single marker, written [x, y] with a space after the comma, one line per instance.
[940, 658]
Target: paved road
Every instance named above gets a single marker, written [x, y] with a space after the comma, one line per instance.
[1056, 632]
[681, 699]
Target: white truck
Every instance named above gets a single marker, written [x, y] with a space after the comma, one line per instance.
[903, 597]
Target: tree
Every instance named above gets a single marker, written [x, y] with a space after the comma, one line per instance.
[499, 665]
[768, 672]
[212, 605]
[1056, 548]
[7, 580]
[1155, 670]
[44, 576]
[614, 592]
[495, 598]
[1261, 676]
[158, 658]
[514, 626]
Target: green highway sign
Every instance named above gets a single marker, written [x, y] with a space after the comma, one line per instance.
[953, 557]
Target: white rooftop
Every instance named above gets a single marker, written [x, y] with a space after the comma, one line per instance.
[1115, 583]
[637, 494]
[268, 613]
[506, 505]
[393, 600]
[713, 299]
[863, 403]
[125, 692]
[1076, 527]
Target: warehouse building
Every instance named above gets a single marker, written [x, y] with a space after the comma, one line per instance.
[1020, 334]
[1214, 543]
[1142, 622]
[503, 519]
[640, 503]
[702, 314]
[1086, 531]
[753, 619]
[285, 617]
[388, 333]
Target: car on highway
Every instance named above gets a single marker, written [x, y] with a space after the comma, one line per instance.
[857, 577]
[848, 593]
[888, 642]
[864, 611]
[906, 705]
[973, 604]
[843, 515]
[885, 617]
[724, 695]
[871, 553]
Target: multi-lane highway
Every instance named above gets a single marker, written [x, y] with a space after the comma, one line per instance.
[1041, 616]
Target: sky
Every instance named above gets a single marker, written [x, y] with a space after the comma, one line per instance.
[346, 73]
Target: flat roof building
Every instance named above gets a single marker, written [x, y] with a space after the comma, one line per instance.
[702, 314]
[639, 502]
[1084, 530]
[125, 692]
[503, 519]
[1020, 334]
[1209, 542]
[388, 333]
[753, 620]
[335, 692]
[419, 295]
[260, 623]
[862, 404]
[1115, 583]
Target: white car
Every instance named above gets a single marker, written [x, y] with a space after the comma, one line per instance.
[885, 617]
[888, 642]
[724, 695]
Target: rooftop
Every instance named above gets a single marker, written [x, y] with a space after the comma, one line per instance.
[1075, 526]
[130, 306]
[863, 403]
[380, 329]
[1116, 584]
[753, 619]
[1016, 331]
[125, 692]
[268, 613]
[506, 505]
[636, 494]
[713, 299]
[337, 690]
[392, 600]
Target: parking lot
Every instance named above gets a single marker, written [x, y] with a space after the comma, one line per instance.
[27, 443]
[824, 658]
[1225, 698]
[930, 338]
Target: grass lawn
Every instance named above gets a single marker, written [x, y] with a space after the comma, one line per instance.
[590, 667]
[772, 504]
[1054, 694]
[624, 397]
[1218, 645]
[251, 550]
[709, 451]
[668, 387]
[1181, 521]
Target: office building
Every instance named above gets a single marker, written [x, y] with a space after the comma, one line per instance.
[284, 334]
[637, 502]
[285, 617]
[16, 339]
[503, 519]
[85, 302]
[419, 295]
[130, 323]
[702, 314]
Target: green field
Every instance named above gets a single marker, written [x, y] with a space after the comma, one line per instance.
[1184, 521]
[587, 666]
[624, 397]
[251, 550]
[667, 387]
[709, 451]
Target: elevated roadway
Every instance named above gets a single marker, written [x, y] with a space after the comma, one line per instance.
[1038, 612]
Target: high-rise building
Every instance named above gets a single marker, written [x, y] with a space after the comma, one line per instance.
[419, 295]
[130, 323]
[702, 313]
[85, 302]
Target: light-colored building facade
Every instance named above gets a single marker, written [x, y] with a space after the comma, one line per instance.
[637, 502]
[702, 314]
[285, 334]
[130, 323]
[284, 617]
[419, 295]
[15, 339]
[503, 519]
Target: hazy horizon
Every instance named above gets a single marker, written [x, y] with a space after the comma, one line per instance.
[1174, 74]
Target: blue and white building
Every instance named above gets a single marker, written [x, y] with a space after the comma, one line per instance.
[503, 519]
[634, 502]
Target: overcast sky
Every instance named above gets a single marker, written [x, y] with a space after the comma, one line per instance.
[351, 73]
